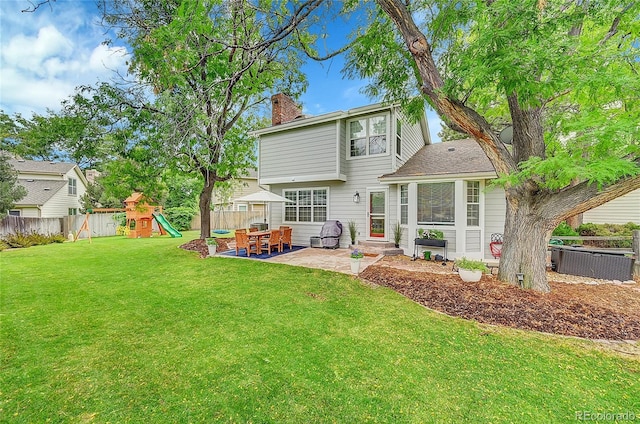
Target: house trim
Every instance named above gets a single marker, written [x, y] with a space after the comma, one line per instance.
[299, 123]
[304, 179]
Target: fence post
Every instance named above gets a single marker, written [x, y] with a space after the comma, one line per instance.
[636, 252]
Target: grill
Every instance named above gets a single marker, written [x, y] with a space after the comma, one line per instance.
[330, 234]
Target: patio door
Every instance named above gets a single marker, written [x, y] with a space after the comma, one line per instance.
[377, 214]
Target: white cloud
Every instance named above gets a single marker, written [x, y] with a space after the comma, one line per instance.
[105, 57]
[45, 55]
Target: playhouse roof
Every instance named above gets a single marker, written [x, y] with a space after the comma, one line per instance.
[135, 197]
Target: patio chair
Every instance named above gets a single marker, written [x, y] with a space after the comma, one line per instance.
[243, 242]
[496, 245]
[272, 242]
[285, 238]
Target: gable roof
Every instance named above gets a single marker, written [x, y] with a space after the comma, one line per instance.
[445, 159]
[39, 191]
[24, 166]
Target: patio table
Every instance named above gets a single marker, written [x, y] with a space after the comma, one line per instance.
[258, 236]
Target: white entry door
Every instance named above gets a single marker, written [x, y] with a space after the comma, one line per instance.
[377, 214]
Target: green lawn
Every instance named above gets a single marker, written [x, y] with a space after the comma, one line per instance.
[137, 330]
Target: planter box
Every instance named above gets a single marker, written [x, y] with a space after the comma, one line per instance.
[429, 242]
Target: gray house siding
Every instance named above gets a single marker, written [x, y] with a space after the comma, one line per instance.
[622, 210]
[494, 212]
[412, 138]
[299, 153]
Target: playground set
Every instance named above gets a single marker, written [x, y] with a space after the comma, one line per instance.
[140, 216]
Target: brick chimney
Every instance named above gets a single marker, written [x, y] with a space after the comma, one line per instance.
[283, 109]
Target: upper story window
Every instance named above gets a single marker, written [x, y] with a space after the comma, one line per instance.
[73, 186]
[15, 212]
[398, 138]
[308, 205]
[436, 203]
[473, 203]
[368, 136]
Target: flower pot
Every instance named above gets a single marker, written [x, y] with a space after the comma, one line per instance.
[212, 249]
[427, 255]
[355, 266]
[469, 276]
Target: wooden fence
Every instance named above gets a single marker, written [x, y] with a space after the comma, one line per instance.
[100, 225]
[229, 220]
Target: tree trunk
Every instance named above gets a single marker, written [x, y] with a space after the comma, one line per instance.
[205, 204]
[525, 245]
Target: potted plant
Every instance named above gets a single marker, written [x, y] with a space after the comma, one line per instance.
[212, 245]
[470, 270]
[397, 234]
[356, 256]
[353, 231]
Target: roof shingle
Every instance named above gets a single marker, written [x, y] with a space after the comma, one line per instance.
[446, 158]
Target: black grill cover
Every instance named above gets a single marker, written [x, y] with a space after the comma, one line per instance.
[330, 234]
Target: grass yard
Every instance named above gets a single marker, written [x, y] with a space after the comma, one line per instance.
[137, 330]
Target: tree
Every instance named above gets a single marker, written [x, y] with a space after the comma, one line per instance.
[10, 191]
[210, 65]
[563, 72]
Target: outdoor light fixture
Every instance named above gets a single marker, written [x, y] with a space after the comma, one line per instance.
[356, 197]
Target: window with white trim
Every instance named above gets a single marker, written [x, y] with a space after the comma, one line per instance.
[404, 204]
[73, 186]
[473, 203]
[368, 136]
[398, 138]
[73, 211]
[436, 203]
[308, 205]
[14, 212]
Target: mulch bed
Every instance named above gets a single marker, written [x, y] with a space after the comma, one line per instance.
[200, 246]
[604, 311]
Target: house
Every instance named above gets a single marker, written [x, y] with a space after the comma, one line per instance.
[371, 166]
[54, 189]
[225, 199]
[622, 210]
[329, 166]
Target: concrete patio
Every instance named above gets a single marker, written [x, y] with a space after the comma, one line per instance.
[338, 260]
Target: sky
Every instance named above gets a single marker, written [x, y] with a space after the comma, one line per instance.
[46, 54]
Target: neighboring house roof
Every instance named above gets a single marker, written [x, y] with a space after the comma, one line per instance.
[39, 191]
[445, 159]
[23, 167]
[41, 167]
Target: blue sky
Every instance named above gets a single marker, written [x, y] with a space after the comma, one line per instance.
[46, 54]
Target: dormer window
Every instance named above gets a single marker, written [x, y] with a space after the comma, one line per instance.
[73, 187]
[368, 136]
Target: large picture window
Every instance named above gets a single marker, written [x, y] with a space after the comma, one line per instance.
[308, 205]
[436, 203]
[368, 136]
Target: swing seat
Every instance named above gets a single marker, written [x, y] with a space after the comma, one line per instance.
[221, 231]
